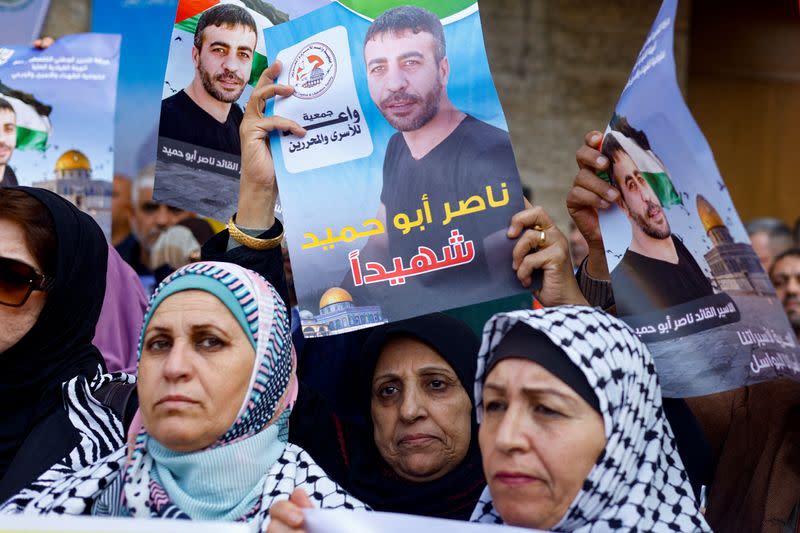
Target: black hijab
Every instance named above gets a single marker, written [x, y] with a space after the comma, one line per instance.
[371, 479]
[56, 349]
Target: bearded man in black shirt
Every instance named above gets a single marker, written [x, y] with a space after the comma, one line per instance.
[205, 113]
[439, 151]
[657, 270]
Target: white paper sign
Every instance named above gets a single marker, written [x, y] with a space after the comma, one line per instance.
[86, 524]
[344, 521]
[325, 103]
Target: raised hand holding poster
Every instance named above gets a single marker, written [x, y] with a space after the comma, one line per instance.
[684, 274]
[57, 119]
[397, 201]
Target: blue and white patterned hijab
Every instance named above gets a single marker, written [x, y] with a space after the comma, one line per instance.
[250, 467]
[638, 483]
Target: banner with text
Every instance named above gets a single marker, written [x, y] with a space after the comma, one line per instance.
[397, 201]
[684, 274]
[216, 55]
[57, 119]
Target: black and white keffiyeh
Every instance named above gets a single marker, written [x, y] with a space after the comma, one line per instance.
[101, 435]
[638, 482]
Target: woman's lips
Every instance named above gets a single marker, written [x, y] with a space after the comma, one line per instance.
[417, 440]
[174, 400]
[515, 479]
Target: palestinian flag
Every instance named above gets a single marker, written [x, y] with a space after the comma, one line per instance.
[652, 169]
[264, 13]
[33, 119]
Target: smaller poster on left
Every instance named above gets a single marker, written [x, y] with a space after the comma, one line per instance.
[57, 119]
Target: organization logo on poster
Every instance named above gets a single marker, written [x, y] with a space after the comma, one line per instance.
[313, 71]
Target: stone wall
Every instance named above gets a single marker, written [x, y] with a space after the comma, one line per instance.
[559, 66]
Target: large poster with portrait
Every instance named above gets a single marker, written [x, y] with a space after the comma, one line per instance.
[57, 119]
[216, 55]
[684, 274]
[397, 200]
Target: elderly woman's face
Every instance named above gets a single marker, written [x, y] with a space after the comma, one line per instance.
[539, 441]
[194, 372]
[420, 411]
[18, 321]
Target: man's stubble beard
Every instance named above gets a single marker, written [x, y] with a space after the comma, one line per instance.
[654, 232]
[208, 85]
[430, 107]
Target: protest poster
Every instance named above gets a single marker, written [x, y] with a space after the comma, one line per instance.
[141, 75]
[60, 133]
[205, 91]
[344, 521]
[21, 20]
[684, 274]
[87, 524]
[397, 201]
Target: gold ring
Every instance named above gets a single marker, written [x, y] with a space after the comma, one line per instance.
[542, 235]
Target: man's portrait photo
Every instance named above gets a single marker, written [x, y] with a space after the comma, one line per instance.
[206, 113]
[8, 141]
[439, 150]
[657, 271]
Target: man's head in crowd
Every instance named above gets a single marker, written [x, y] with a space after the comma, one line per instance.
[770, 237]
[785, 275]
[407, 66]
[224, 44]
[8, 132]
[120, 208]
[638, 199]
[149, 218]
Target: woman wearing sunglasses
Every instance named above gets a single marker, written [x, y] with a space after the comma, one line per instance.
[53, 261]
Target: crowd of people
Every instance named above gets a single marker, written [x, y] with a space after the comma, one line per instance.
[162, 376]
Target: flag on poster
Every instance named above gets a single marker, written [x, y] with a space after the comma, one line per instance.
[397, 201]
[33, 119]
[21, 20]
[684, 274]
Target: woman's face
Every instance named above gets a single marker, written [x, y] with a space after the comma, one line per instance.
[194, 372]
[420, 411]
[17, 321]
[539, 440]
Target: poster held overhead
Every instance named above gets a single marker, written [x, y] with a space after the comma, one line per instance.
[57, 114]
[397, 201]
[684, 274]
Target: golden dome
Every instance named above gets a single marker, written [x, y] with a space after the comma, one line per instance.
[708, 215]
[73, 160]
[334, 295]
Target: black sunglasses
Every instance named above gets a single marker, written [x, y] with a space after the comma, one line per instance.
[18, 280]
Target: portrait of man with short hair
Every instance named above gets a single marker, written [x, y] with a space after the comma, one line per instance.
[205, 113]
[8, 141]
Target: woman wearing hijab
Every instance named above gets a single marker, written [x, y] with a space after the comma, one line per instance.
[53, 263]
[572, 431]
[418, 452]
[572, 428]
[216, 385]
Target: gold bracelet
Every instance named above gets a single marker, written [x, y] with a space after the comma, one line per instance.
[251, 242]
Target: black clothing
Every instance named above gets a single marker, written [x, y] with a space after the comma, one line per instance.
[130, 250]
[35, 431]
[643, 284]
[347, 451]
[185, 121]
[9, 179]
[475, 155]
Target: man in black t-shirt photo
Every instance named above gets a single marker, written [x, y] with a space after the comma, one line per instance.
[657, 270]
[438, 151]
[205, 113]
